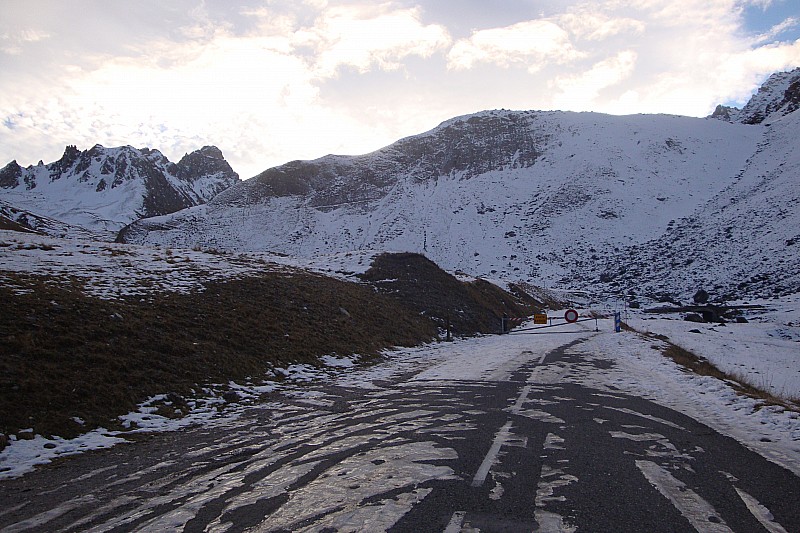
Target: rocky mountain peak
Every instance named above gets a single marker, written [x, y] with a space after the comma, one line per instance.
[777, 97]
[211, 151]
[649, 203]
[58, 168]
[111, 187]
[10, 175]
[726, 113]
[206, 160]
[71, 153]
[463, 147]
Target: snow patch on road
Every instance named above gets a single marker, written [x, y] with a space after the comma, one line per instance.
[641, 369]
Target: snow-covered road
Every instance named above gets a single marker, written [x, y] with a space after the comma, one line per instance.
[517, 432]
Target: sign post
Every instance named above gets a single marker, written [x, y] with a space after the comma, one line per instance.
[617, 322]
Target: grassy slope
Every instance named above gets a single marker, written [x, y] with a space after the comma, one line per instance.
[67, 355]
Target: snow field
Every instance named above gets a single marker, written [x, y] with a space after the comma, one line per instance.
[764, 355]
[113, 270]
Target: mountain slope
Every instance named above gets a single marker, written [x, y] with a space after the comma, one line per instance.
[102, 189]
[21, 220]
[642, 203]
[91, 330]
[777, 97]
[528, 195]
[743, 241]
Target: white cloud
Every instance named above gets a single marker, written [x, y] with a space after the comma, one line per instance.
[763, 4]
[363, 37]
[12, 42]
[316, 4]
[251, 95]
[751, 66]
[32, 36]
[581, 92]
[776, 30]
[587, 23]
[281, 80]
[533, 44]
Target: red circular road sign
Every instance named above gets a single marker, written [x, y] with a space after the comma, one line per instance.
[571, 315]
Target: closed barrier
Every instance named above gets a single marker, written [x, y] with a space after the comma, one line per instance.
[542, 321]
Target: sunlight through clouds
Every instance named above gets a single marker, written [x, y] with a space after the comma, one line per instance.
[531, 43]
[581, 92]
[269, 82]
[11, 42]
[591, 25]
[363, 37]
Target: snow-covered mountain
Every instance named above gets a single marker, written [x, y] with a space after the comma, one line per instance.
[643, 203]
[103, 189]
[777, 97]
[17, 219]
[743, 240]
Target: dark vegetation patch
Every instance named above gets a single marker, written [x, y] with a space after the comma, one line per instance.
[699, 365]
[8, 224]
[418, 283]
[66, 356]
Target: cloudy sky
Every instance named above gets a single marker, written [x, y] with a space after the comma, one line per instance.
[270, 81]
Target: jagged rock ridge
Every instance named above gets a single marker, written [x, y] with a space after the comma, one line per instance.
[463, 147]
[102, 189]
[777, 97]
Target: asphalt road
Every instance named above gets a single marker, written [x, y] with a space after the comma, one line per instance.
[529, 453]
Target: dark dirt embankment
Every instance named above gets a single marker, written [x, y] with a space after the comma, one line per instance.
[66, 356]
[470, 307]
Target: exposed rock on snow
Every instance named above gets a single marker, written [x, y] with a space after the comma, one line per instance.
[640, 205]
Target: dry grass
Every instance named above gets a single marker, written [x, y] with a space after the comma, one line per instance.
[67, 356]
[8, 224]
[544, 298]
[694, 363]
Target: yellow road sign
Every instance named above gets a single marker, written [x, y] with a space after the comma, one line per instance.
[540, 319]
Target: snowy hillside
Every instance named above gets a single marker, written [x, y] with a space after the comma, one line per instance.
[563, 188]
[642, 203]
[745, 240]
[103, 189]
[21, 220]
